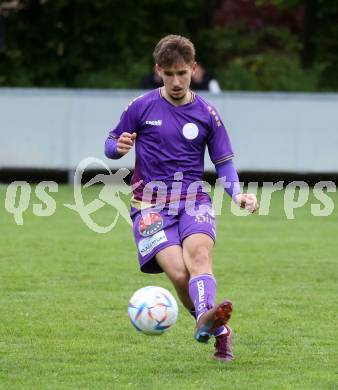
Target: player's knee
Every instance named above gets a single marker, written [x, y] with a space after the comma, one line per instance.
[200, 259]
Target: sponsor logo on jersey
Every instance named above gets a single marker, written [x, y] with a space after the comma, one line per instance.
[150, 224]
[148, 244]
[154, 123]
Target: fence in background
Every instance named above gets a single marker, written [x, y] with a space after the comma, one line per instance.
[270, 132]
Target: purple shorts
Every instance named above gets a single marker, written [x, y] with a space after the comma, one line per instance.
[155, 229]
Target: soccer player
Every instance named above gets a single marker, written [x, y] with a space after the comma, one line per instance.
[174, 228]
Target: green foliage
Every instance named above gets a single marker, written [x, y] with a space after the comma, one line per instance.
[284, 73]
[282, 4]
[327, 43]
[269, 72]
[237, 77]
[109, 44]
[114, 78]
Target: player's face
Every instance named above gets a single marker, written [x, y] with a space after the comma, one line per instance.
[176, 79]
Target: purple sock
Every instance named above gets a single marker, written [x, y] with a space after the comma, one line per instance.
[202, 291]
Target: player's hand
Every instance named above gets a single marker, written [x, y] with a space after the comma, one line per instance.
[125, 142]
[247, 201]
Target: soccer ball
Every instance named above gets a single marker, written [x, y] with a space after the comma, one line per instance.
[152, 310]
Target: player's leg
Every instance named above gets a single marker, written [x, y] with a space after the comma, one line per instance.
[198, 233]
[170, 259]
[197, 255]
[159, 249]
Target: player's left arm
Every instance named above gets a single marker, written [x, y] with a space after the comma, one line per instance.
[221, 154]
[228, 176]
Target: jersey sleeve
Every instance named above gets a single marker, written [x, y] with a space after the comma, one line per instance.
[228, 176]
[129, 121]
[219, 145]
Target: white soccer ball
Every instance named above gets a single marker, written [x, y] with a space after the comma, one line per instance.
[152, 310]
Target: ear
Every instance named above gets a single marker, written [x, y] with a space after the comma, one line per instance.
[158, 70]
[194, 67]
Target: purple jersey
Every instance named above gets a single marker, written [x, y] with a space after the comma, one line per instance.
[172, 139]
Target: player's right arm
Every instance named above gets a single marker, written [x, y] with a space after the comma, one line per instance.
[121, 139]
[125, 142]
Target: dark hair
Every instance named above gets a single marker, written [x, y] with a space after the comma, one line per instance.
[174, 48]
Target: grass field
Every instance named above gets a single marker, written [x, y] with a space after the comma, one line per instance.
[64, 292]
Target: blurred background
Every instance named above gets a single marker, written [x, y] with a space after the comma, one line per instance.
[68, 68]
[263, 45]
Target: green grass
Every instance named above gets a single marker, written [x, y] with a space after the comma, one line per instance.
[64, 292]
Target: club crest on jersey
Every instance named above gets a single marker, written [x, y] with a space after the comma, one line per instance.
[150, 224]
